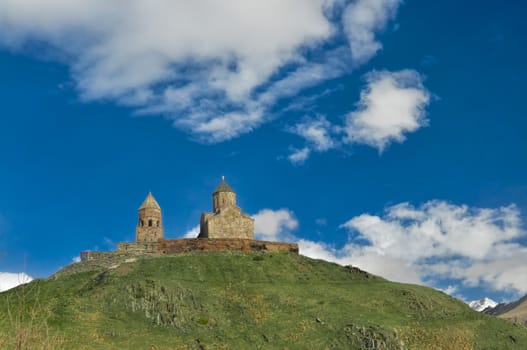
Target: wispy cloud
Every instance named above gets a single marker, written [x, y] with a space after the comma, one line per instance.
[214, 69]
[317, 132]
[299, 156]
[362, 20]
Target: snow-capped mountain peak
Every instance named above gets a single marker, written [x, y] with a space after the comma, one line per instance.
[482, 304]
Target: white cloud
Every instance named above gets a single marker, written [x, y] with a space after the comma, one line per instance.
[270, 224]
[122, 48]
[202, 58]
[11, 280]
[214, 69]
[319, 250]
[392, 105]
[364, 258]
[299, 156]
[192, 233]
[450, 289]
[435, 242]
[76, 259]
[226, 126]
[317, 132]
[331, 65]
[440, 229]
[362, 19]
[503, 273]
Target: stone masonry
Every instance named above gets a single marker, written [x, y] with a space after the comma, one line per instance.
[184, 245]
[150, 224]
[227, 219]
[225, 229]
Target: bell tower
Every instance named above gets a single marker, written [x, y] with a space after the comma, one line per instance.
[150, 223]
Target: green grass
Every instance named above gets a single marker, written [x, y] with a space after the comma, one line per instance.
[241, 301]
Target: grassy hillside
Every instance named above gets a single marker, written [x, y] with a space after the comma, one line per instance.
[515, 311]
[240, 301]
[518, 314]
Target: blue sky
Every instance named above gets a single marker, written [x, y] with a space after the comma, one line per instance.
[377, 133]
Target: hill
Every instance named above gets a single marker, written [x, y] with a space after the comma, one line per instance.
[515, 311]
[239, 301]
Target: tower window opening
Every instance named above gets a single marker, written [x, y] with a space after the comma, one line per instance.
[150, 223]
[158, 224]
[142, 223]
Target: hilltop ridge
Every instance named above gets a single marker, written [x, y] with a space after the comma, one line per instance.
[239, 301]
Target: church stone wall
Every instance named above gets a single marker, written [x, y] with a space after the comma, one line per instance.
[148, 234]
[227, 223]
[186, 245]
[137, 247]
[221, 200]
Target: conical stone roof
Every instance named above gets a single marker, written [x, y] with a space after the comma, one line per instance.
[223, 187]
[150, 202]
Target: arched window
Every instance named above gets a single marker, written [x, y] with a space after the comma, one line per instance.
[150, 223]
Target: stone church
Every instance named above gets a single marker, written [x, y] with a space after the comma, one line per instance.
[225, 228]
[227, 219]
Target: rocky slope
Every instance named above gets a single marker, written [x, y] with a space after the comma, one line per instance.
[515, 311]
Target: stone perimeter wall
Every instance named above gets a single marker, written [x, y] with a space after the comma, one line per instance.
[187, 245]
[108, 257]
[136, 247]
[175, 246]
